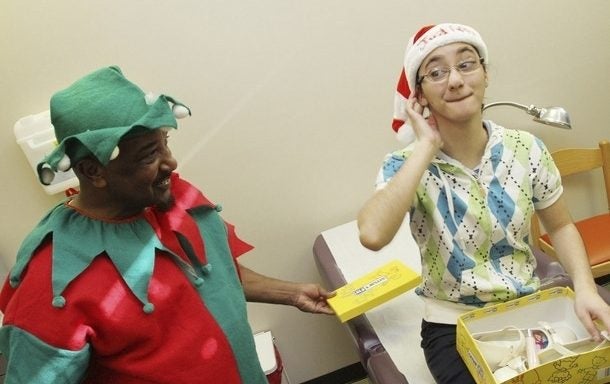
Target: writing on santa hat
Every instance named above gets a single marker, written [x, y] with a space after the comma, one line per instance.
[441, 31]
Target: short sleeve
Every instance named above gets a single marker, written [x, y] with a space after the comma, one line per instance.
[32, 361]
[546, 180]
[238, 246]
[391, 164]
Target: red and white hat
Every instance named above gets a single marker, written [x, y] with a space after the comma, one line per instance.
[420, 45]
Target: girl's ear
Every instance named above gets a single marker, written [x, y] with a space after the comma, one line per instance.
[92, 171]
[419, 96]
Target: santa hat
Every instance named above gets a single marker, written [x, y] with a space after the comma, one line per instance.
[92, 115]
[420, 45]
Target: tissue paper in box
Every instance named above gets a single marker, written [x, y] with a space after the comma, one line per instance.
[551, 305]
[373, 289]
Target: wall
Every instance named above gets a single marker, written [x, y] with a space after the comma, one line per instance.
[292, 102]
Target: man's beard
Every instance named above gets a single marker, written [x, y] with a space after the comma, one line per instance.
[166, 205]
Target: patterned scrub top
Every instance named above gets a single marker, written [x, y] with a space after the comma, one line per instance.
[472, 226]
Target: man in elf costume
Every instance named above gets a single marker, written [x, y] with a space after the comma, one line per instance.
[135, 278]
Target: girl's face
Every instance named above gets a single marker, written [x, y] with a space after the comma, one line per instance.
[453, 83]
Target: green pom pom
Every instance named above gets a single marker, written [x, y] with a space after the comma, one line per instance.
[198, 282]
[59, 302]
[206, 268]
[218, 207]
[14, 281]
[148, 308]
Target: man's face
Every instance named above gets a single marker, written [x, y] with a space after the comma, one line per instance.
[140, 176]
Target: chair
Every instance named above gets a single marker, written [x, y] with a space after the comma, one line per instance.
[595, 231]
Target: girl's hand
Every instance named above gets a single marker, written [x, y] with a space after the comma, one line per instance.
[425, 129]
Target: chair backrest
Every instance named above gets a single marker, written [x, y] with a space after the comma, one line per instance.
[571, 161]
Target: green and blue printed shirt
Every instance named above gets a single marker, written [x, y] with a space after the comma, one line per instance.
[472, 226]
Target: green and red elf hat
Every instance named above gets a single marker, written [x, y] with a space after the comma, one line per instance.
[92, 115]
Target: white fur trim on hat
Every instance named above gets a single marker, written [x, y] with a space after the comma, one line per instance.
[438, 36]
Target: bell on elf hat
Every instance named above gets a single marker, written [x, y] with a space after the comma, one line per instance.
[92, 115]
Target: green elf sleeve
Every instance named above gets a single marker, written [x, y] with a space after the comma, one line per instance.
[33, 361]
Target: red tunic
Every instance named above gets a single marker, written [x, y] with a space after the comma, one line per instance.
[196, 333]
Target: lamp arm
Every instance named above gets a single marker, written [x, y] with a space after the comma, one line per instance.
[555, 116]
[531, 110]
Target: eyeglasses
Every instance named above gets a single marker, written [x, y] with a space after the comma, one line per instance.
[440, 74]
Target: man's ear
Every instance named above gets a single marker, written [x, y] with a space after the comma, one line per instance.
[92, 171]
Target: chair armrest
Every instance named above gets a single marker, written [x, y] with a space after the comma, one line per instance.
[379, 365]
[365, 338]
[547, 266]
[327, 266]
[373, 356]
[382, 370]
[552, 274]
[360, 328]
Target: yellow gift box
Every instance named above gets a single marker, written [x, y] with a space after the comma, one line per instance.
[591, 366]
[373, 289]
